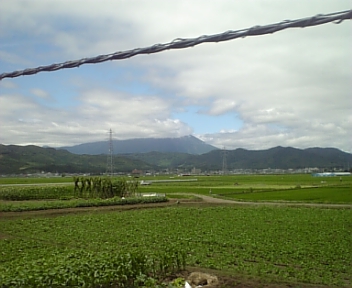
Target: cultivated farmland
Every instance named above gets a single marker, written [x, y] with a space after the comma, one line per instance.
[247, 245]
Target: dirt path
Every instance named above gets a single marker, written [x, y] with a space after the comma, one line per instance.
[66, 211]
[204, 200]
[209, 199]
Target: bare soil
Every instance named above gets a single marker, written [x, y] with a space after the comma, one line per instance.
[209, 199]
[227, 280]
[203, 201]
[65, 211]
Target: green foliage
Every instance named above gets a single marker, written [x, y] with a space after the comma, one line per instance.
[279, 157]
[90, 187]
[261, 187]
[33, 159]
[283, 244]
[239, 187]
[76, 203]
[33, 180]
[88, 269]
[21, 193]
[84, 187]
[178, 283]
[335, 194]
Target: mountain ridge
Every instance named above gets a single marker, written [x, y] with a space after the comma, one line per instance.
[273, 158]
[33, 159]
[186, 144]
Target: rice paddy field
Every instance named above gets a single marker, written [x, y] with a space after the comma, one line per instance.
[249, 245]
[292, 188]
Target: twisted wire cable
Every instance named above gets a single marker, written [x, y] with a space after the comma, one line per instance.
[181, 43]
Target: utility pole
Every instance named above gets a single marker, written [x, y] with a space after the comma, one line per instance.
[224, 161]
[110, 163]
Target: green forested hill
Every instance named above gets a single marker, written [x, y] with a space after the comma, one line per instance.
[274, 158]
[31, 159]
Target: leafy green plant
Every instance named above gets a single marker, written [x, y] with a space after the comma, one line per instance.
[98, 187]
[74, 203]
[310, 245]
[178, 283]
[82, 269]
[14, 193]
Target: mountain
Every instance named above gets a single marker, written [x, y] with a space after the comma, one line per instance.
[165, 160]
[32, 159]
[187, 144]
[275, 158]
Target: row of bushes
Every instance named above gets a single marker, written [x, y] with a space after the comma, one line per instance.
[76, 203]
[84, 187]
[23, 193]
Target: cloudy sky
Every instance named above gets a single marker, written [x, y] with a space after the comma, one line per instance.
[291, 88]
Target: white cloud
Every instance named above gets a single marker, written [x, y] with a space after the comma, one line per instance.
[40, 93]
[28, 122]
[291, 88]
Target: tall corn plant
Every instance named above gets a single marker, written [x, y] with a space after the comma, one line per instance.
[120, 187]
[106, 188]
[97, 187]
[133, 187]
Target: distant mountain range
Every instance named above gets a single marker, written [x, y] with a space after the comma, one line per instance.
[187, 144]
[30, 159]
[274, 158]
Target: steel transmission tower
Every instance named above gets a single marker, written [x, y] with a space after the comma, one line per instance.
[110, 162]
[224, 161]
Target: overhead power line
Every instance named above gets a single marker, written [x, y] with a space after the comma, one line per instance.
[180, 43]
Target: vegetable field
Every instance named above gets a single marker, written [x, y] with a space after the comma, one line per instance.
[307, 245]
[296, 188]
[143, 247]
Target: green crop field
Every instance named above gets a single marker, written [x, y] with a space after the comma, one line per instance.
[292, 188]
[213, 180]
[298, 245]
[338, 194]
[36, 192]
[34, 180]
[259, 180]
[298, 188]
[143, 247]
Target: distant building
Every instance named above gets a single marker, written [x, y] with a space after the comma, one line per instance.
[136, 172]
[196, 171]
[331, 174]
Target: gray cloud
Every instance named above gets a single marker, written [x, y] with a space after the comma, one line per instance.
[28, 122]
[291, 88]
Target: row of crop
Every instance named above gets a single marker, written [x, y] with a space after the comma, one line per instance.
[36, 192]
[76, 203]
[328, 194]
[84, 187]
[104, 187]
[287, 244]
[84, 269]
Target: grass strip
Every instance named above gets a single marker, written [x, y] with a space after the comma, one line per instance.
[61, 204]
